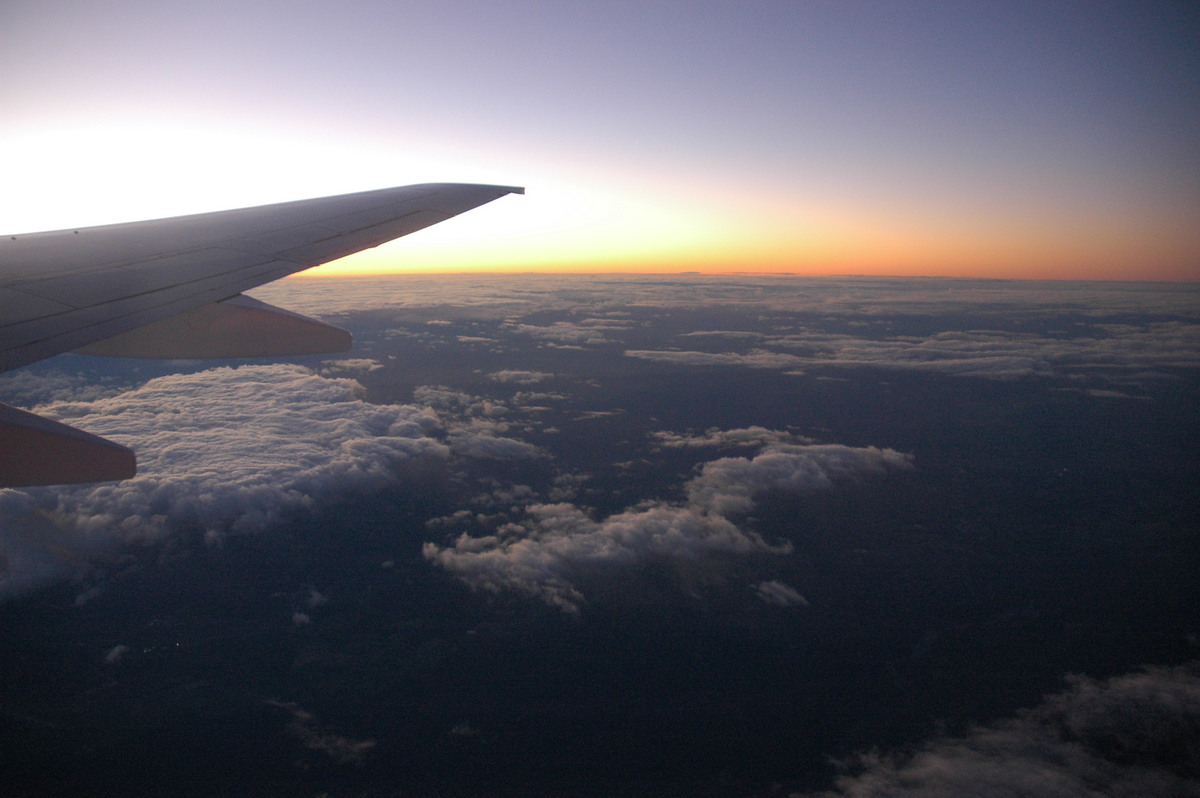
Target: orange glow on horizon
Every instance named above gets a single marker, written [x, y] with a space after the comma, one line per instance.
[611, 232]
[1061, 271]
[897, 255]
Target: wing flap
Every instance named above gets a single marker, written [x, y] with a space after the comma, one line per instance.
[237, 327]
[38, 451]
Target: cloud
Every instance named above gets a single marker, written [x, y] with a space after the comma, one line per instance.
[115, 654]
[222, 451]
[472, 425]
[350, 366]
[488, 446]
[716, 438]
[232, 449]
[541, 555]
[29, 387]
[35, 548]
[758, 358]
[779, 594]
[564, 332]
[605, 296]
[458, 402]
[528, 401]
[520, 377]
[1132, 736]
[994, 354]
[747, 334]
[545, 553]
[341, 749]
[729, 485]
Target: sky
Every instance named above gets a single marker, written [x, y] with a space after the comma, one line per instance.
[1020, 139]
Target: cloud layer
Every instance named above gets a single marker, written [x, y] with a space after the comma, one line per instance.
[964, 353]
[1133, 736]
[220, 452]
[233, 449]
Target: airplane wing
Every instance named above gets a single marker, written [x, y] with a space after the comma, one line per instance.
[172, 288]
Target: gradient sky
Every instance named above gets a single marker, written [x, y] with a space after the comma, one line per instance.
[1006, 139]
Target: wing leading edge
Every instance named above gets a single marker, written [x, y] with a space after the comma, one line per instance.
[172, 288]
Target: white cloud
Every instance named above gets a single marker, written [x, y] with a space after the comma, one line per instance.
[968, 353]
[758, 358]
[36, 547]
[486, 446]
[747, 334]
[540, 556]
[715, 438]
[780, 594]
[221, 451]
[350, 366]
[304, 726]
[26, 387]
[520, 377]
[233, 449]
[1132, 736]
[729, 485]
[115, 654]
[472, 425]
[563, 332]
[513, 296]
[554, 544]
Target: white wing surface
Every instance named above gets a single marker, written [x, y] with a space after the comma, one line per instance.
[171, 288]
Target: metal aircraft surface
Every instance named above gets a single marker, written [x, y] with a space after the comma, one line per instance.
[171, 288]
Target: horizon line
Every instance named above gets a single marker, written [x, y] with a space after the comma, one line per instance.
[315, 273]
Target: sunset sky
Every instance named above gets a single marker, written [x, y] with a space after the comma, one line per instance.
[1000, 139]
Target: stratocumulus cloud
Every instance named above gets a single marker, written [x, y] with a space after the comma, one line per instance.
[554, 544]
[27, 388]
[1117, 349]
[759, 358]
[780, 594]
[1132, 736]
[729, 485]
[966, 353]
[520, 377]
[341, 749]
[473, 425]
[561, 332]
[231, 449]
[510, 297]
[719, 438]
[223, 451]
[350, 366]
[540, 556]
